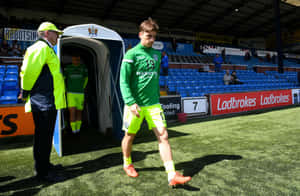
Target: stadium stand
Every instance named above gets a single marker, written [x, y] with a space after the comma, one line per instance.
[191, 83]
[186, 82]
[185, 55]
[9, 84]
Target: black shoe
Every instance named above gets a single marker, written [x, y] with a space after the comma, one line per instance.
[50, 177]
[55, 167]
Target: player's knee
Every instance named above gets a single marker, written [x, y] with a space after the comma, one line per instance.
[128, 137]
[163, 135]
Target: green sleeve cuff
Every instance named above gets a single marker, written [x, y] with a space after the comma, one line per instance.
[130, 102]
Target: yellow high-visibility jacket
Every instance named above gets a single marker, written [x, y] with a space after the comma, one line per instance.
[41, 78]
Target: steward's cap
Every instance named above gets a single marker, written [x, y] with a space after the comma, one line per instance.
[48, 26]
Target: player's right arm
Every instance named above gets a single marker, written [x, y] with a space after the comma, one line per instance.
[127, 68]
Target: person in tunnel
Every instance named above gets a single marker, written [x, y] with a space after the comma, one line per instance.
[76, 77]
[139, 84]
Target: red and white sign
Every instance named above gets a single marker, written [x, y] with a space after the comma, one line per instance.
[241, 102]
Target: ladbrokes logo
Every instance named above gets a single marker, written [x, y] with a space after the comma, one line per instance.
[234, 103]
[241, 102]
[270, 100]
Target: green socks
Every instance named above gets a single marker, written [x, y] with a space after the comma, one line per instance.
[76, 126]
[127, 161]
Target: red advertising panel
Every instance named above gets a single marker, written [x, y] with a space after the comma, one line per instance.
[240, 102]
[14, 121]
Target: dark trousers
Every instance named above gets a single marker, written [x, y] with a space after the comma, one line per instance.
[44, 122]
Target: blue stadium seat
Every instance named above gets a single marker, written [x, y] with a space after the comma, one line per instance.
[196, 94]
[10, 84]
[170, 83]
[172, 88]
[10, 92]
[161, 82]
[12, 70]
[183, 94]
[197, 88]
[193, 83]
[2, 70]
[181, 89]
[12, 67]
[178, 83]
[12, 76]
[188, 89]
[8, 99]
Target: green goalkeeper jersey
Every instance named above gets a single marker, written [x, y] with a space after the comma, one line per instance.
[76, 78]
[139, 77]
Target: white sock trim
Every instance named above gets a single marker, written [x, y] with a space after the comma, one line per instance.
[171, 175]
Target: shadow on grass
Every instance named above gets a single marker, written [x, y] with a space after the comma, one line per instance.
[186, 187]
[191, 168]
[145, 136]
[27, 186]
[6, 178]
[91, 140]
[87, 140]
[30, 186]
[16, 142]
[32, 191]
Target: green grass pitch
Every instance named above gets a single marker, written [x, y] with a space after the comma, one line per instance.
[257, 154]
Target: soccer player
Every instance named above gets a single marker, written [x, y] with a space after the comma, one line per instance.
[76, 76]
[139, 83]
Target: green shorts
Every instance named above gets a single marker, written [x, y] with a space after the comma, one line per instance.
[75, 100]
[153, 114]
